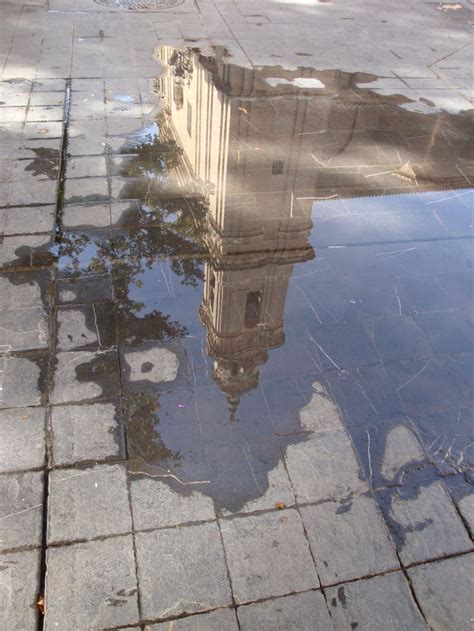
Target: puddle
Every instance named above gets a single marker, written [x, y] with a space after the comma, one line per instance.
[284, 239]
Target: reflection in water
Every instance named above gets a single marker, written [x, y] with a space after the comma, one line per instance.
[218, 206]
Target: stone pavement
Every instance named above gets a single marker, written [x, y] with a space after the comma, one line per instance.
[236, 315]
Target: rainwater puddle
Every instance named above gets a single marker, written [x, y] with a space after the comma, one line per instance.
[290, 256]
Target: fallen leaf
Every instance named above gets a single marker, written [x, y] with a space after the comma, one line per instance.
[40, 604]
[280, 505]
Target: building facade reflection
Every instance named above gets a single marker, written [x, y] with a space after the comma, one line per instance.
[264, 146]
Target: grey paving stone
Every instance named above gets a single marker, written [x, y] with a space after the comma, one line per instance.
[220, 620]
[83, 145]
[27, 220]
[85, 289]
[24, 329]
[47, 98]
[86, 167]
[279, 489]
[85, 432]
[22, 439]
[74, 331]
[428, 525]
[155, 505]
[398, 337]
[466, 508]
[91, 585]
[401, 448]
[151, 362]
[348, 540]
[26, 190]
[19, 587]
[45, 113]
[86, 189]
[90, 215]
[324, 467]
[22, 290]
[191, 575]
[381, 602]
[87, 503]
[24, 251]
[85, 375]
[268, 555]
[21, 509]
[305, 612]
[444, 590]
[22, 381]
[91, 325]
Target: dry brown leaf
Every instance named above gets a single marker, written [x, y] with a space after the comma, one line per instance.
[40, 604]
[280, 505]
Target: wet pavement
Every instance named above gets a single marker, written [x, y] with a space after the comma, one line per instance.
[236, 317]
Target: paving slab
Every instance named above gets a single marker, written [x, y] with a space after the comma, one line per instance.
[85, 327]
[391, 453]
[85, 375]
[447, 437]
[22, 443]
[279, 491]
[366, 396]
[91, 585]
[88, 503]
[444, 591]
[21, 510]
[87, 215]
[19, 589]
[87, 189]
[25, 251]
[191, 575]
[27, 220]
[427, 525]
[348, 539]
[86, 167]
[267, 555]
[85, 433]
[156, 505]
[25, 329]
[23, 380]
[23, 290]
[381, 602]
[334, 353]
[306, 611]
[93, 288]
[324, 467]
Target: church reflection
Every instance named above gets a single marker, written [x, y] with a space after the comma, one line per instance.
[265, 145]
[223, 195]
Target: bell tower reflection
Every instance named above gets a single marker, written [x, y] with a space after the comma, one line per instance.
[255, 230]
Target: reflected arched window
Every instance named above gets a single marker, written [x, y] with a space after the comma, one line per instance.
[253, 308]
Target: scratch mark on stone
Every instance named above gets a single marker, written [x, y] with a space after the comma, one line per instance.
[323, 352]
[444, 199]
[414, 376]
[20, 512]
[369, 456]
[398, 300]
[309, 303]
[394, 252]
[96, 325]
[251, 468]
[365, 395]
